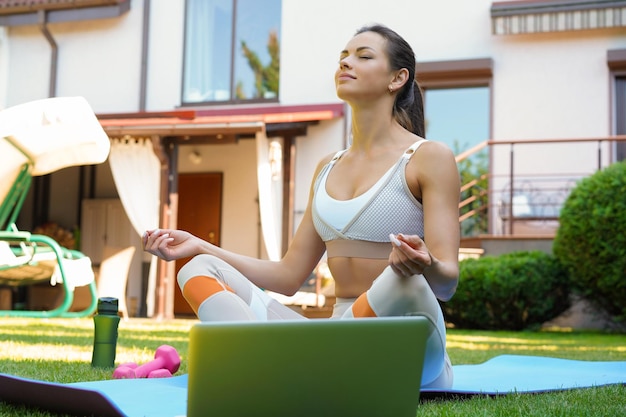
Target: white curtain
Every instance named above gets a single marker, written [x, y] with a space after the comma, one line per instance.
[270, 199]
[137, 175]
[208, 32]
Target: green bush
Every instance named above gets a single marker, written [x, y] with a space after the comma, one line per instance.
[591, 239]
[514, 291]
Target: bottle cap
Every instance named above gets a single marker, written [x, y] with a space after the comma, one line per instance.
[107, 305]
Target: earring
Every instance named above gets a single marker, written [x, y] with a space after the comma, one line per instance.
[390, 90]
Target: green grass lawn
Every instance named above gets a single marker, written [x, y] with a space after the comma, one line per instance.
[59, 350]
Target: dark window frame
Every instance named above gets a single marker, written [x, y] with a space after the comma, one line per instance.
[616, 62]
[457, 73]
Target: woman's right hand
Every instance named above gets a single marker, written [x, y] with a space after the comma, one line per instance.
[170, 244]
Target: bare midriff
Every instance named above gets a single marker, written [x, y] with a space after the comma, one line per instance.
[354, 276]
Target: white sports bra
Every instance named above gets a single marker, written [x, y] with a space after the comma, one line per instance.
[342, 211]
[360, 227]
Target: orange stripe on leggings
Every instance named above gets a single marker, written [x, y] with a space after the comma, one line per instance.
[198, 289]
[362, 308]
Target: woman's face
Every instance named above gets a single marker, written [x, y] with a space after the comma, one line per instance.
[363, 72]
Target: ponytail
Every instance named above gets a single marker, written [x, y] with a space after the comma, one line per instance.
[408, 109]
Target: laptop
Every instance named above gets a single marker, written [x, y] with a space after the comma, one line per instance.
[357, 367]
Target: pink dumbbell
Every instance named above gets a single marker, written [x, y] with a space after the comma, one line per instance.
[122, 371]
[160, 373]
[165, 358]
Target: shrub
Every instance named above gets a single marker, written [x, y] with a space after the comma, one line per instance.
[591, 239]
[514, 291]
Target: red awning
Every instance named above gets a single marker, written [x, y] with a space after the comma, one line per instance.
[219, 120]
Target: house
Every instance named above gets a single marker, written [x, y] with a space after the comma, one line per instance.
[218, 91]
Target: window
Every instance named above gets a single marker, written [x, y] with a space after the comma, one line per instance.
[232, 50]
[616, 60]
[457, 110]
[458, 117]
[457, 101]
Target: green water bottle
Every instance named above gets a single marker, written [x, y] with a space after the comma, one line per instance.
[105, 322]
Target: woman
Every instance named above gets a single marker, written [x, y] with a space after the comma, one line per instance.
[385, 210]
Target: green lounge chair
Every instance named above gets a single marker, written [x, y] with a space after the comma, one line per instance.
[38, 138]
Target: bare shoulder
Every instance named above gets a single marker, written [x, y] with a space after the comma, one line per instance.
[433, 156]
[432, 167]
[326, 159]
[432, 148]
[321, 164]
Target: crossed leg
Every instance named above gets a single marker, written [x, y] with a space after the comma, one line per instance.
[218, 292]
[394, 295]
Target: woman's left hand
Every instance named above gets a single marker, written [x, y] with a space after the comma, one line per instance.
[170, 244]
[409, 255]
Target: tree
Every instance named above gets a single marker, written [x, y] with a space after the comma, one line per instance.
[266, 77]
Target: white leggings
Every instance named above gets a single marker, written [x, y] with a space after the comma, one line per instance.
[234, 297]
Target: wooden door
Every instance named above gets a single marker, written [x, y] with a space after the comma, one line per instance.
[199, 212]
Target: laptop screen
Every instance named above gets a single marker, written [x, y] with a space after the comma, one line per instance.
[357, 367]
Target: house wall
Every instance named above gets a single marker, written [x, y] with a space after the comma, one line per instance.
[97, 59]
[550, 86]
[165, 58]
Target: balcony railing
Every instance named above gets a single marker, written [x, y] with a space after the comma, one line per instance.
[522, 198]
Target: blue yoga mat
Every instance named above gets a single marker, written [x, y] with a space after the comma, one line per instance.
[167, 397]
[507, 374]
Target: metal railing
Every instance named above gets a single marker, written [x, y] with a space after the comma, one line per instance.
[512, 196]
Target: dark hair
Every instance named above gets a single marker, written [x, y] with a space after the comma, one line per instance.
[408, 108]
